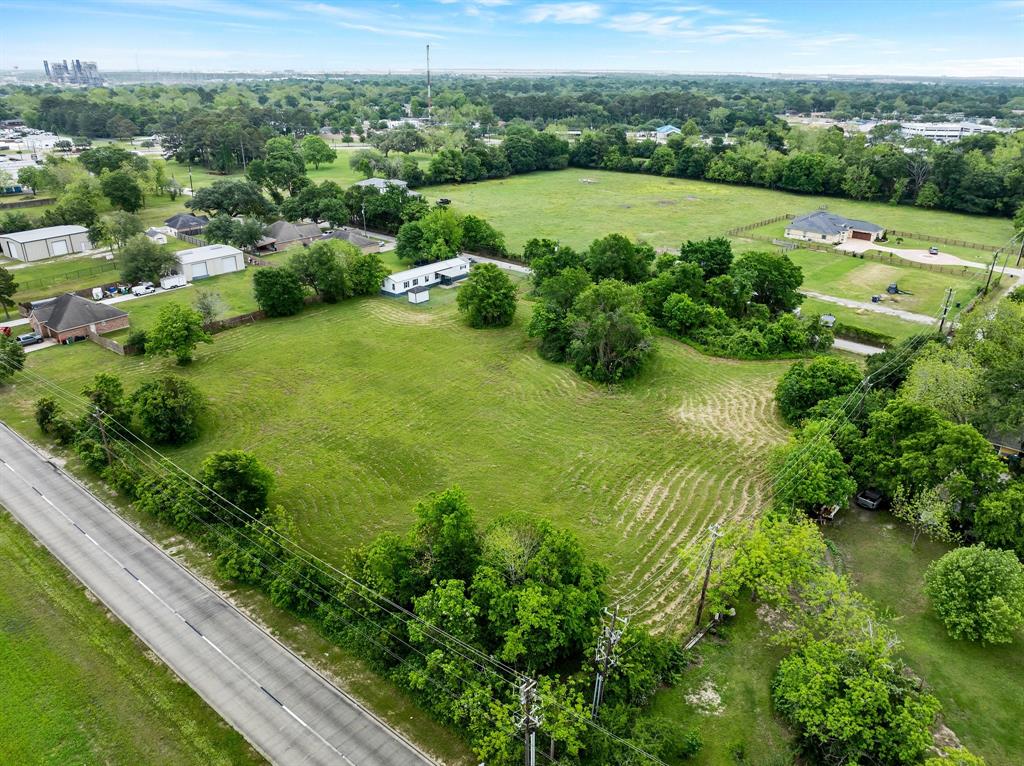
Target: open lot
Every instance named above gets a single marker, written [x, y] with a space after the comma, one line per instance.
[667, 211]
[858, 279]
[364, 407]
[77, 687]
[981, 688]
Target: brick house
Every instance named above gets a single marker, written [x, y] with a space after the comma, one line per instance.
[72, 316]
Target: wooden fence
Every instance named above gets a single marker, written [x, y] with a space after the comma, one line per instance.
[941, 240]
[37, 202]
[123, 349]
[190, 239]
[759, 224]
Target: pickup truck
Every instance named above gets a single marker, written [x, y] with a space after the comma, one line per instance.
[146, 288]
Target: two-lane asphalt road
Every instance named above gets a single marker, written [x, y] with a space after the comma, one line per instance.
[283, 707]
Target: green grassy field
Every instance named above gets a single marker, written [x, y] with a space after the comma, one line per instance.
[77, 687]
[887, 325]
[667, 211]
[737, 665]
[857, 279]
[364, 407]
[981, 688]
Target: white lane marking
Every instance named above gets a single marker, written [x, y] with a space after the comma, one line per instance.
[181, 617]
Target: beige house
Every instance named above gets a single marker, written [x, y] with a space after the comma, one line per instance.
[209, 261]
[831, 229]
[48, 242]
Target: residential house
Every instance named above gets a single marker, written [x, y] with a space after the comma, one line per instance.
[209, 261]
[285, 233]
[440, 273]
[353, 237]
[71, 316]
[186, 223]
[831, 228]
[48, 242]
[382, 184]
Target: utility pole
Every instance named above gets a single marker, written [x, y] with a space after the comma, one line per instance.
[429, 101]
[530, 720]
[103, 435]
[363, 208]
[945, 308]
[714, 531]
[191, 188]
[1021, 253]
[242, 147]
[995, 257]
[604, 654]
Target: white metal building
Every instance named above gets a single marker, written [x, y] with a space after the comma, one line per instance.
[48, 242]
[440, 273]
[209, 261]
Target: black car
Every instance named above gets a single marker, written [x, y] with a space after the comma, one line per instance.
[869, 498]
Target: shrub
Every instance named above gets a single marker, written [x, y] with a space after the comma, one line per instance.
[167, 410]
[807, 383]
[238, 477]
[488, 297]
[978, 593]
[47, 410]
[278, 292]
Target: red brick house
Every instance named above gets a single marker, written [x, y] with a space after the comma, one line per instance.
[72, 316]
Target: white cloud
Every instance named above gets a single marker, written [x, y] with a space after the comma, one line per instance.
[564, 13]
[687, 27]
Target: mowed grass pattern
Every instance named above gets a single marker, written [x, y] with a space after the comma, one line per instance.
[667, 211]
[363, 408]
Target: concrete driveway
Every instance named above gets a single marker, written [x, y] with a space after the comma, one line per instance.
[920, 256]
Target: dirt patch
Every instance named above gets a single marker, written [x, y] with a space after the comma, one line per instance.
[706, 699]
[774, 619]
[691, 198]
[944, 738]
[666, 202]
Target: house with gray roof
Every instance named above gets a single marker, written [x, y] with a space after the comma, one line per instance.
[186, 223]
[285, 233]
[72, 316]
[831, 228]
[365, 244]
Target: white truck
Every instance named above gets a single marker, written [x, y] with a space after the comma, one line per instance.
[146, 288]
[173, 280]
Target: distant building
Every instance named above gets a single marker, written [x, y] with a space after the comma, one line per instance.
[440, 273]
[285, 233]
[658, 135]
[365, 244]
[78, 73]
[156, 236]
[209, 261]
[823, 226]
[186, 223]
[947, 132]
[48, 242]
[72, 316]
[382, 184]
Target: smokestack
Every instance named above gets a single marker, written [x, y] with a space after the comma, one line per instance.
[46, 67]
[429, 104]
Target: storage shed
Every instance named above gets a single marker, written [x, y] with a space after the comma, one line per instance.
[419, 294]
[48, 242]
[209, 261]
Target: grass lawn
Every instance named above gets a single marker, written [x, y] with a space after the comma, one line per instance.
[737, 665]
[364, 407]
[77, 687]
[887, 325]
[981, 688]
[858, 279]
[667, 211]
[48, 278]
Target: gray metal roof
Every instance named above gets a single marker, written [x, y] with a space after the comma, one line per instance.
[186, 221]
[205, 253]
[48, 232]
[70, 311]
[824, 222]
[380, 184]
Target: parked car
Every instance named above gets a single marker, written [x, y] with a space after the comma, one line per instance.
[30, 339]
[146, 288]
[871, 499]
[933, 250]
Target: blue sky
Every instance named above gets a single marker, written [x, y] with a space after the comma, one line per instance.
[910, 37]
